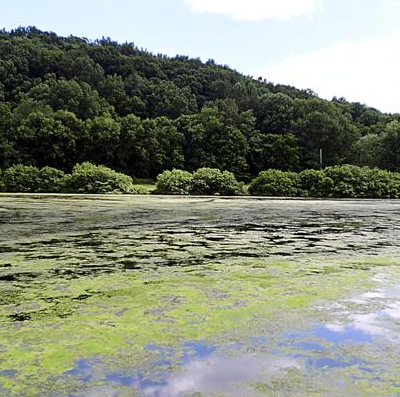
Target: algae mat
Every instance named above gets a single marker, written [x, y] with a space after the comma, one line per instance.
[198, 296]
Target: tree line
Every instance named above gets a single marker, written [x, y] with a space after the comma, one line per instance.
[68, 100]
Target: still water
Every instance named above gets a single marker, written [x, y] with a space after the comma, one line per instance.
[198, 296]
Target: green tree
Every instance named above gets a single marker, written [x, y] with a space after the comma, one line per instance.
[194, 133]
[368, 151]
[274, 113]
[164, 98]
[189, 114]
[321, 125]
[7, 151]
[70, 95]
[273, 151]
[103, 141]
[50, 138]
[391, 147]
[225, 134]
[136, 146]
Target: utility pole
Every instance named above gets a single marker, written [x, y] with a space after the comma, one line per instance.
[320, 159]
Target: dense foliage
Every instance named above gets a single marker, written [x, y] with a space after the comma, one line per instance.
[98, 179]
[204, 181]
[65, 101]
[85, 178]
[174, 182]
[275, 183]
[346, 181]
[29, 179]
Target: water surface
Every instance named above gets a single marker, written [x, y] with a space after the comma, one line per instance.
[198, 296]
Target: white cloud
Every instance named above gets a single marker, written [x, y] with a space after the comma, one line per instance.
[221, 375]
[366, 72]
[256, 9]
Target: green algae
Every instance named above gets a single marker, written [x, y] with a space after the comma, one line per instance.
[126, 312]
[106, 285]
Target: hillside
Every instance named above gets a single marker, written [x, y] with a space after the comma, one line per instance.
[68, 100]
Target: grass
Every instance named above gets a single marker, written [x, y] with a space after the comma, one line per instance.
[146, 185]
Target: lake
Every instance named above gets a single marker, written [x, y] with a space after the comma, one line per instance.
[198, 296]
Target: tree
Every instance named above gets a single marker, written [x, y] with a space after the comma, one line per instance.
[273, 151]
[320, 125]
[274, 113]
[194, 133]
[49, 138]
[72, 99]
[164, 98]
[391, 147]
[136, 146]
[103, 140]
[113, 88]
[7, 152]
[368, 151]
[225, 134]
[76, 97]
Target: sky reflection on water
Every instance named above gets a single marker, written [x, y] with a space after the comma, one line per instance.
[230, 370]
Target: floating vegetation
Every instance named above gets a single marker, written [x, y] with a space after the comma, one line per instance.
[162, 297]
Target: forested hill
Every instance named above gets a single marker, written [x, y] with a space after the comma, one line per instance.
[68, 100]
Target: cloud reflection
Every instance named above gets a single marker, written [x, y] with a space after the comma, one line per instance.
[219, 375]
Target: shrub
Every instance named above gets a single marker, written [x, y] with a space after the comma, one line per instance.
[394, 186]
[381, 184]
[313, 183]
[344, 181]
[28, 179]
[98, 179]
[211, 181]
[275, 183]
[21, 179]
[363, 182]
[174, 182]
[51, 180]
[348, 180]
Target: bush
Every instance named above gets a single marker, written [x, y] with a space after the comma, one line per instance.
[51, 180]
[211, 181]
[341, 181]
[348, 180]
[364, 182]
[98, 179]
[21, 179]
[313, 183]
[28, 179]
[384, 184]
[174, 182]
[275, 183]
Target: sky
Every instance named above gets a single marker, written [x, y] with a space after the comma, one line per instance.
[342, 48]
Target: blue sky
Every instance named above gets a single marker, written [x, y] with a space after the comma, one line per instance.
[347, 48]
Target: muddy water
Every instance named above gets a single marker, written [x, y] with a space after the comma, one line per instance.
[172, 296]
